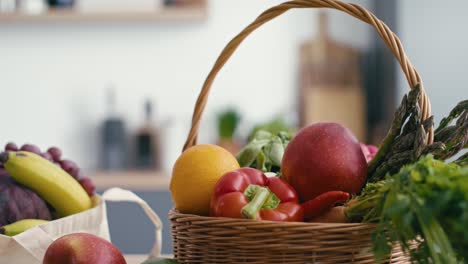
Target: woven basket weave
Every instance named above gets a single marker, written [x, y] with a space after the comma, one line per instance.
[201, 239]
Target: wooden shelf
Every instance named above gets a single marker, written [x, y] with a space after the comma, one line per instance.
[186, 14]
[132, 180]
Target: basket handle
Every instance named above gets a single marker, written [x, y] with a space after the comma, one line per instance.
[357, 11]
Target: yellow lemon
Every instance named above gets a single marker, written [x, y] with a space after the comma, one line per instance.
[195, 174]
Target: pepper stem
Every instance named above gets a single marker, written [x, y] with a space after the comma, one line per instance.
[260, 197]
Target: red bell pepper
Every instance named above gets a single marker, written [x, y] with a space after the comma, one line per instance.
[248, 193]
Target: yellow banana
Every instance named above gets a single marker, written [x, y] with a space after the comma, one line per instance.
[20, 226]
[49, 181]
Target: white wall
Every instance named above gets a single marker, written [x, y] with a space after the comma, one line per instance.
[52, 76]
[434, 34]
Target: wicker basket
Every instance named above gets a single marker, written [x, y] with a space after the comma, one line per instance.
[200, 239]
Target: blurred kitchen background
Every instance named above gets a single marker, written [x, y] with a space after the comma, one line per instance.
[113, 82]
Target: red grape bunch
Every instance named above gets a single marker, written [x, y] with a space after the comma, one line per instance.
[54, 155]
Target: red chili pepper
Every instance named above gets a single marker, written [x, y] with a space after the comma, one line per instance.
[323, 203]
[248, 193]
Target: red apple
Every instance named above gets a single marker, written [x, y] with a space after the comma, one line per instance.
[324, 157]
[83, 248]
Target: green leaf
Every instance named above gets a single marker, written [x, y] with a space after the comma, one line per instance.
[275, 151]
[382, 247]
[262, 161]
[285, 136]
[265, 151]
[274, 126]
[248, 155]
[262, 135]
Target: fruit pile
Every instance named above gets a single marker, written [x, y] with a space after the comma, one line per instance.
[320, 167]
[406, 187]
[37, 186]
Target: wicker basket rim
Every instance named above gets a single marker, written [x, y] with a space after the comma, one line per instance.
[174, 213]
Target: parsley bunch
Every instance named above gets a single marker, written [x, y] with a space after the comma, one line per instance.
[424, 207]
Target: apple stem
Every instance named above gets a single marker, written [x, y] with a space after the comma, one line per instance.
[260, 197]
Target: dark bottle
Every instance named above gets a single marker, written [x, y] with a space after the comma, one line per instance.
[61, 3]
[113, 139]
[169, 2]
[147, 142]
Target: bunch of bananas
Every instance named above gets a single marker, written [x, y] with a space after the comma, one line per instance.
[66, 194]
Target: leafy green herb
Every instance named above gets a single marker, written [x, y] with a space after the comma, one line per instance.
[227, 123]
[424, 207]
[265, 151]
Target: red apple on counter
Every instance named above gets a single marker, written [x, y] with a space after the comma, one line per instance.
[324, 157]
[82, 248]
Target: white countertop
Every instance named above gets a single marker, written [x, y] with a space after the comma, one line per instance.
[138, 259]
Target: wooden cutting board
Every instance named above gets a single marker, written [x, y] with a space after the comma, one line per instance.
[330, 83]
